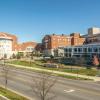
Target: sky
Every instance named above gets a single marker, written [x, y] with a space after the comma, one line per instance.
[30, 20]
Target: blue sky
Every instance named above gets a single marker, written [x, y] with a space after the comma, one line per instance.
[30, 20]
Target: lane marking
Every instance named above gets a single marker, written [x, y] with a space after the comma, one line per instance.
[68, 91]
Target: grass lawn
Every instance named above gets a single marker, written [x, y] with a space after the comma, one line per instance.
[11, 95]
[90, 72]
[72, 69]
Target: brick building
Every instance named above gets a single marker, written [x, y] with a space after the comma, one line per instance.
[93, 30]
[76, 39]
[9, 45]
[26, 48]
[88, 44]
[52, 42]
[93, 35]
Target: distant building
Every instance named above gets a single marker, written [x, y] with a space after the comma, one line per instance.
[93, 31]
[76, 39]
[82, 54]
[7, 44]
[52, 42]
[88, 44]
[93, 36]
[81, 50]
[26, 48]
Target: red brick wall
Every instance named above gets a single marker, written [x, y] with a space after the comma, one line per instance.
[77, 39]
[55, 41]
[23, 46]
[27, 44]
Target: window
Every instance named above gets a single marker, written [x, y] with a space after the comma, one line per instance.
[66, 50]
[84, 49]
[68, 39]
[95, 49]
[75, 49]
[32, 49]
[79, 49]
[58, 40]
[89, 49]
[70, 50]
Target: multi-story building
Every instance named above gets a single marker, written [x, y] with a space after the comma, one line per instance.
[7, 44]
[93, 35]
[81, 50]
[90, 47]
[93, 31]
[76, 39]
[82, 54]
[26, 48]
[52, 42]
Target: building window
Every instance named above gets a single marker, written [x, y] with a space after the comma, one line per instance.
[79, 49]
[75, 49]
[95, 49]
[70, 50]
[68, 39]
[84, 49]
[89, 49]
[66, 50]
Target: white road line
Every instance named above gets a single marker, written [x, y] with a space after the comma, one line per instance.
[68, 91]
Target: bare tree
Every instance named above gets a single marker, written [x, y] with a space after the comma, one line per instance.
[5, 71]
[42, 86]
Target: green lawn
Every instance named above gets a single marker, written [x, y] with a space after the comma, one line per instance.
[90, 72]
[72, 69]
[11, 95]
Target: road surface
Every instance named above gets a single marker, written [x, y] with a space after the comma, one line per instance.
[21, 80]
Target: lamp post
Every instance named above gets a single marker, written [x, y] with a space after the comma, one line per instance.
[3, 56]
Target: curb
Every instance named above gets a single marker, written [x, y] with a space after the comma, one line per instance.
[57, 72]
[17, 93]
[3, 97]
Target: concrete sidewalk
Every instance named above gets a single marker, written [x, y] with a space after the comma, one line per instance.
[58, 72]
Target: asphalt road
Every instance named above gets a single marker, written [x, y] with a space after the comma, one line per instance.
[65, 89]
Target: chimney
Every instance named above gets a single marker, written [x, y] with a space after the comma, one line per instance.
[53, 34]
[62, 34]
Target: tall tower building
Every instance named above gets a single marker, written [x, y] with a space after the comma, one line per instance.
[93, 30]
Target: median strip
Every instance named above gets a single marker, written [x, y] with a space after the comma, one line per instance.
[8, 94]
[3, 97]
[58, 72]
